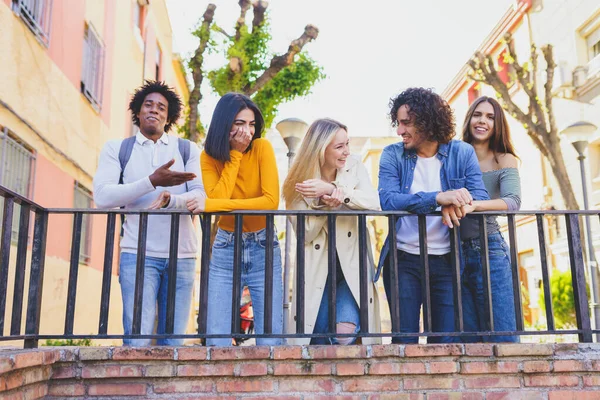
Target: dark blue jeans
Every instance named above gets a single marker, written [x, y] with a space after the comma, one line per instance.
[411, 296]
[501, 282]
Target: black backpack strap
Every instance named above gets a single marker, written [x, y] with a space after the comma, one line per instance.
[124, 155]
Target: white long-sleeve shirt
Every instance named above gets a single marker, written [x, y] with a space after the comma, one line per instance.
[137, 192]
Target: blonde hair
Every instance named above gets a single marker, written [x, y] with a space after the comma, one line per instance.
[320, 133]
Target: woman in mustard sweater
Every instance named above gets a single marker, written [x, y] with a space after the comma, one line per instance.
[239, 173]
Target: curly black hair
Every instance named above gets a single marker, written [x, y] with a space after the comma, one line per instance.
[173, 100]
[431, 114]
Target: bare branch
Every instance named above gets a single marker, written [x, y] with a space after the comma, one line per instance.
[260, 7]
[280, 62]
[197, 73]
[222, 31]
[244, 7]
[550, 66]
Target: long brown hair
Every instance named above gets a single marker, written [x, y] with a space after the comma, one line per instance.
[500, 142]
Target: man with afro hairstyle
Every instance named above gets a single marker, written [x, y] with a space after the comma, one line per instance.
[425, 171]
[150, 171]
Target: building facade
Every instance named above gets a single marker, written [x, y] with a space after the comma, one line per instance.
[69, 70]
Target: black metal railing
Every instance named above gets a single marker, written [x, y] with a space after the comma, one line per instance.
[31, 334]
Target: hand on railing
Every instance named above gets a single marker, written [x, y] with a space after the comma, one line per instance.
[452, 214]
[161, 201]
[459, 197]
[197, 204]
[315, 188]
[334, 200]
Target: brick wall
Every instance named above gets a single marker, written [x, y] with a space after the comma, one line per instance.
[415, 372]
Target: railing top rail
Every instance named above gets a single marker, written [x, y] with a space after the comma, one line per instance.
[4, 192]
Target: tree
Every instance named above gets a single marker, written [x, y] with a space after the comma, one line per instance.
[251, 68]
[538, 121]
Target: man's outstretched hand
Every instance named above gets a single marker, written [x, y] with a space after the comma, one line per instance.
[164, 177]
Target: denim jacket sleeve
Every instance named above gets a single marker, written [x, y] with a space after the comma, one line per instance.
[390, 187]
[474, 182]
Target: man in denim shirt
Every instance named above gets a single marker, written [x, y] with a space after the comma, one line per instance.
[426, 171]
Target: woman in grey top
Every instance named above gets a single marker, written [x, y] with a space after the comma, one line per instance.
[486, 129]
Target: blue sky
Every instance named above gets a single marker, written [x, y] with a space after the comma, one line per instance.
[370, 51]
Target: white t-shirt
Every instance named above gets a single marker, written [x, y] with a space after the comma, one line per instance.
[426, 179]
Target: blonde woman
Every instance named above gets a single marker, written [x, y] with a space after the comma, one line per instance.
[325, 176]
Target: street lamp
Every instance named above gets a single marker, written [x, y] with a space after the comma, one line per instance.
[579, 131]
[292, 130]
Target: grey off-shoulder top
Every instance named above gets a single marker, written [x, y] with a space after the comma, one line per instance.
[502, 184]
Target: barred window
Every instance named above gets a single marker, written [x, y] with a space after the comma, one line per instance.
[17, 168]
[83, 199]
[37, 15]
[93, 67]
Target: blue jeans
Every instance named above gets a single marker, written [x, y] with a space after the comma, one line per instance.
[220, 285]
[501, 282]
[156, 283]
[346, 309]
[411, 296]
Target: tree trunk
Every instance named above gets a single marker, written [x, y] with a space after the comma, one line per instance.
[557, 163]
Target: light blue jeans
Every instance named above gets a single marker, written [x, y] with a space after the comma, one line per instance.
[156, 283]
[220, 285]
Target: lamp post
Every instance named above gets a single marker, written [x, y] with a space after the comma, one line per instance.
[579, 131]
[292, 130]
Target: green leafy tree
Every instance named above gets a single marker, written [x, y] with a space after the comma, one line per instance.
[251, 68]
[538, 118]
[563, 303]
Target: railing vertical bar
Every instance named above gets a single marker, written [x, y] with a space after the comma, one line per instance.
[140, 269]
[7, 219]
[107, 273]
[488, 320]
[73, 273]
[425, 282]
[363, 266]
[36, 278]
[172, 274]
[268, 295]
[17, 309]
[332, 265]
[456, 282]
[582, 311]
[545, 276]
[514, 261]
[393, 266]
[237, 275]
[205, 222]
[300, 273]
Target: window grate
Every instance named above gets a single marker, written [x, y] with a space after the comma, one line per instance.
[37, 15]
[93, 67]
[83, 199]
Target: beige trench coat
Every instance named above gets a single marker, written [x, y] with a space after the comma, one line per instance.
[359, 194]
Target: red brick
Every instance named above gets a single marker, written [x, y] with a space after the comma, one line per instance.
[287, 353]
[591, 380]
[6, 364]
[520, 395]
[253, 369]
[431, 383]
[507, 350]
[334, 352]
[14, 396]
[208, 398]
[220, 369]
[66, 390]
[94, 353]
[34, 392]
[596, 365]
[183, 386]
[111, 371]
[307, 385]
[304, 368]
[340, 397]
[28, 359]
[397, 396]
[148, 353]
[432, 350]
[479, 349]
[122, 389]
[368, 384]
[443, 367]
[532, 367]
[578, 395]
[160, 370]
[192, 353]
[551, 380]
[395, 368]
[266, 397]
[493, 367]
[386, 350]
[240, 353]
[346, 369]
[13, 380]
[568, 366]
[455, 396]
[64, 372]
[490, 382]
[50, 357]
[234, 386]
